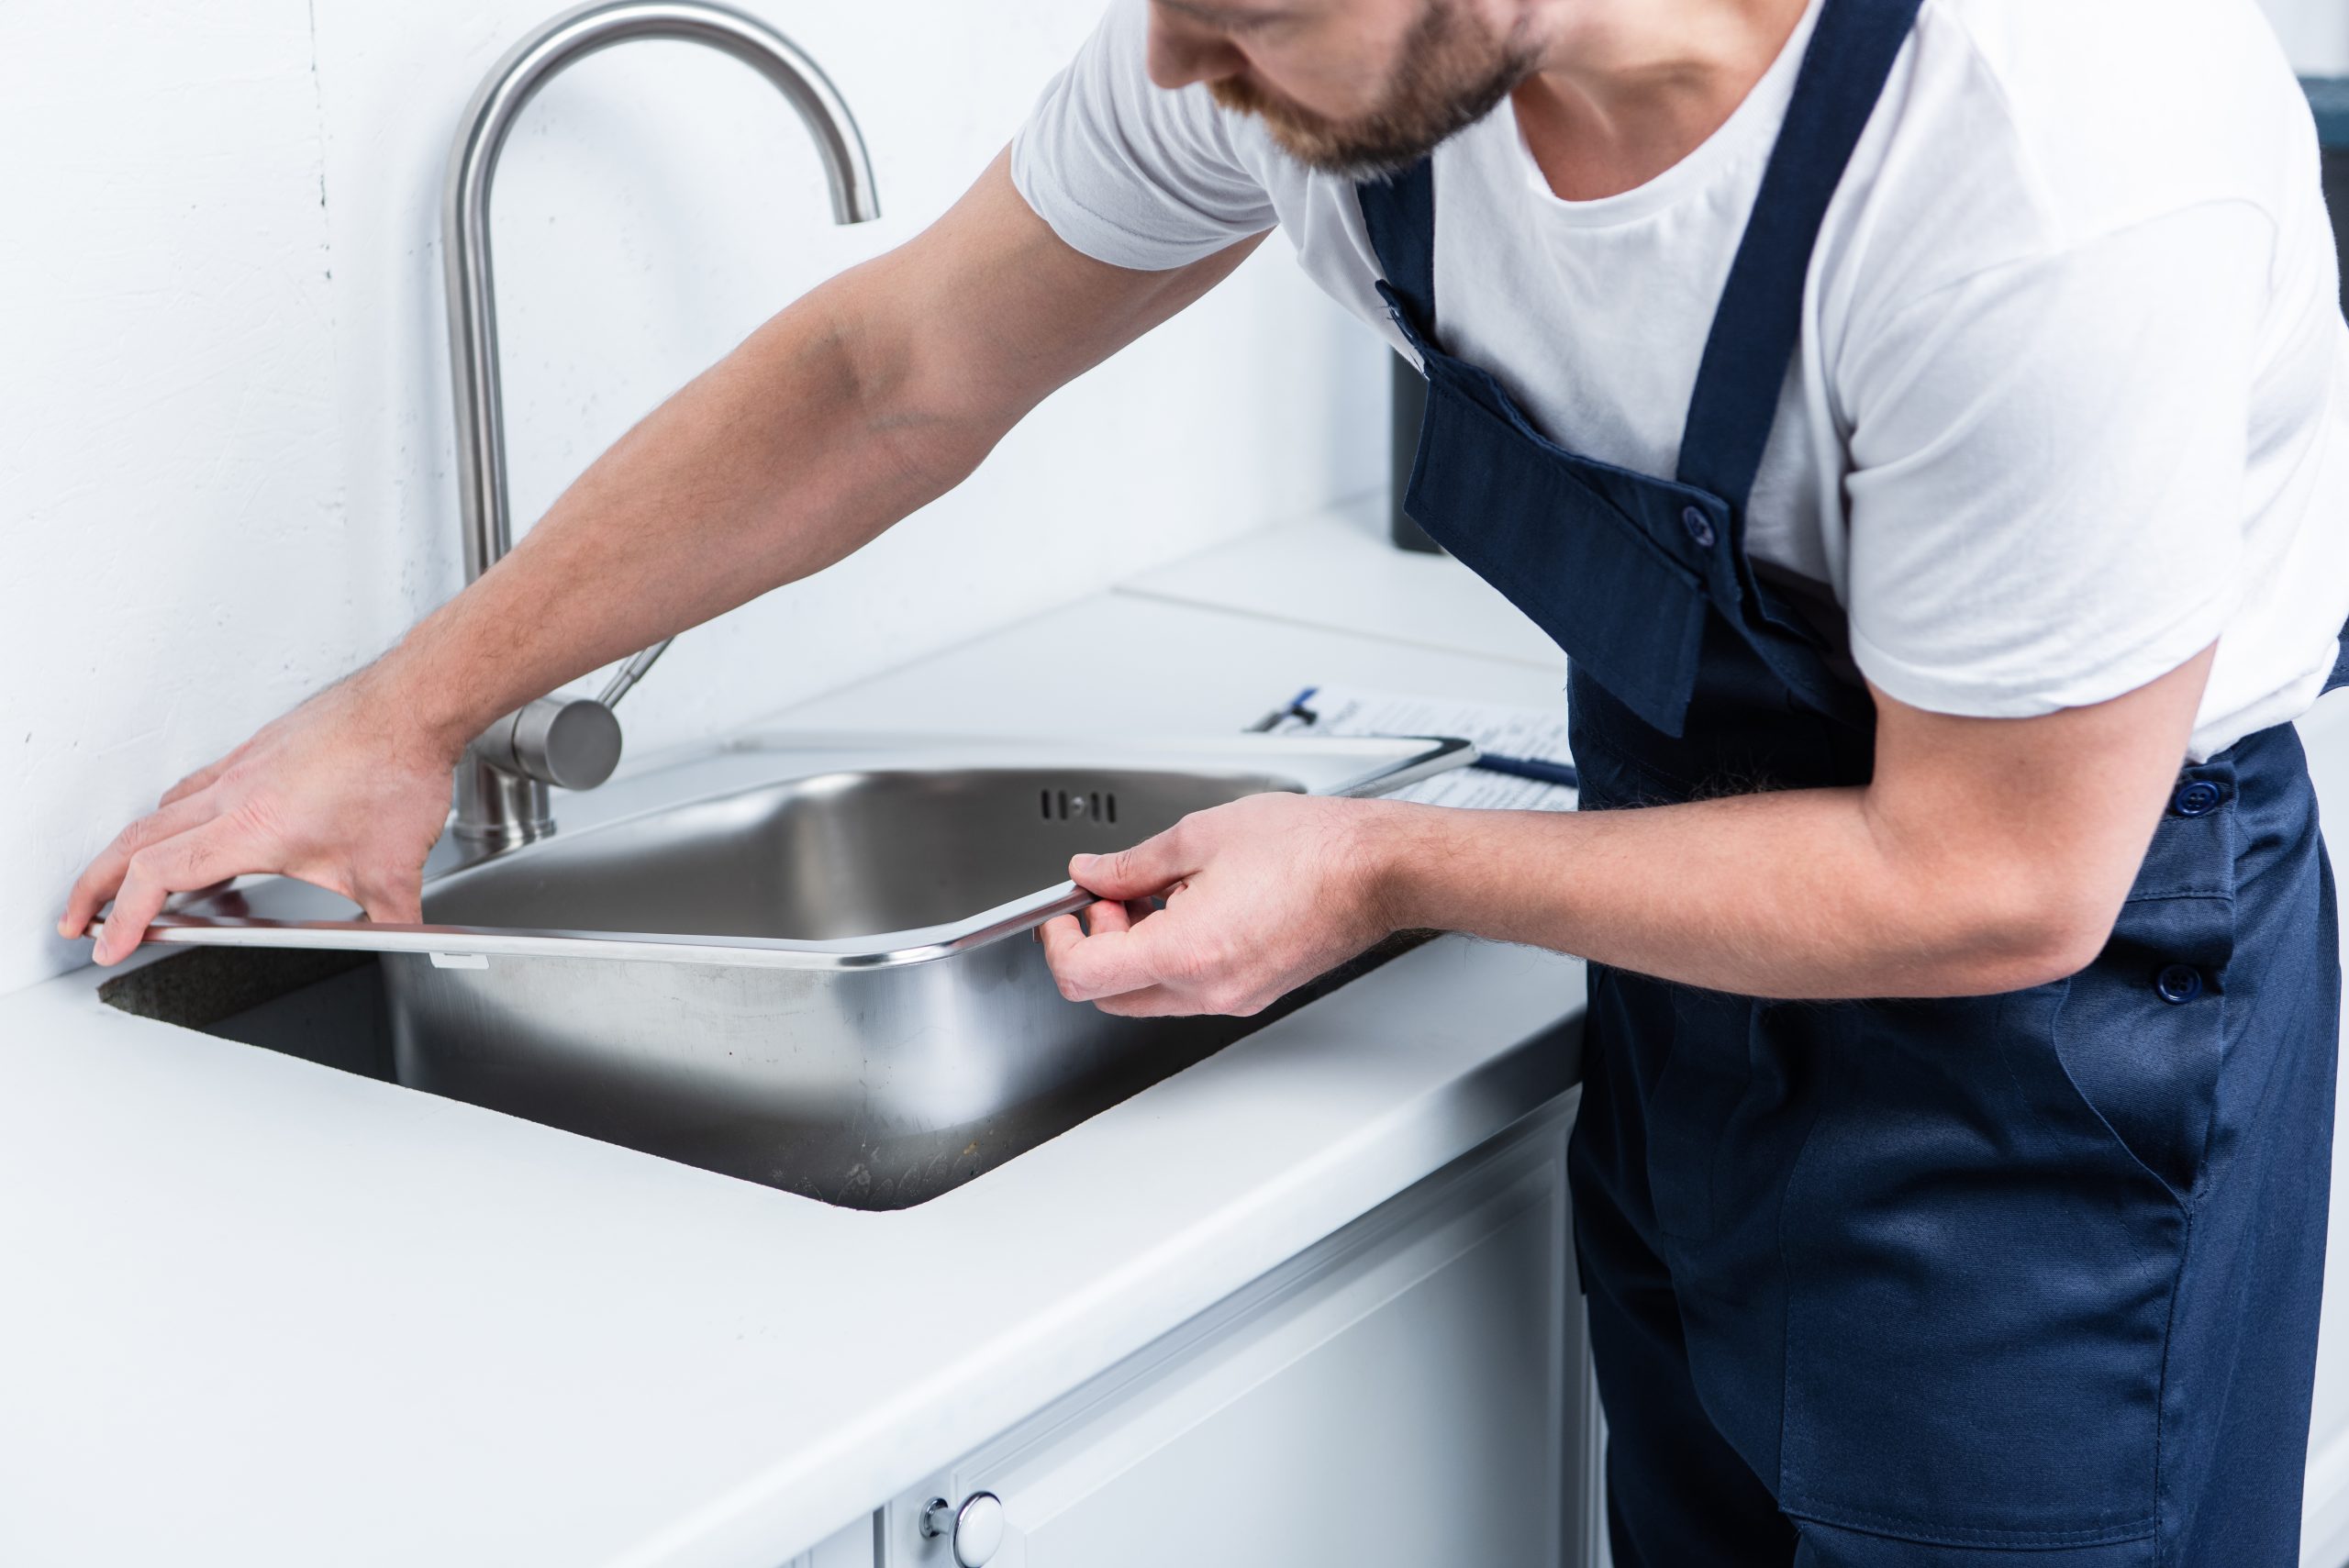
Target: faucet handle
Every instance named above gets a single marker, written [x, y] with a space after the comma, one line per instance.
[625, 678]
[571, 742]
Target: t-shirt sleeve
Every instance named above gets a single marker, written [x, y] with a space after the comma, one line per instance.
[2047, 469]
[1128, 172]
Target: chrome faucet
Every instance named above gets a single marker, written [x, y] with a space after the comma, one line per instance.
[502, 782]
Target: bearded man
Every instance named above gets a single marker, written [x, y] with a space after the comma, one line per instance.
[1924, 424]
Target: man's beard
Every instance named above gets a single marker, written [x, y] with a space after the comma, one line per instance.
[1451, 74]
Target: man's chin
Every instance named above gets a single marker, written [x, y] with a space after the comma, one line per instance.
[1327, 147]
[1347, 161]
[1421, 115]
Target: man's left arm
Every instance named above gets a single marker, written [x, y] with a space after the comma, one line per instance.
[1984, 855]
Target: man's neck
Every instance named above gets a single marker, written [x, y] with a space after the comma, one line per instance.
[1629, 88]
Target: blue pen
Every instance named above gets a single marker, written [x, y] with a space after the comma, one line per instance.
[1529, 767]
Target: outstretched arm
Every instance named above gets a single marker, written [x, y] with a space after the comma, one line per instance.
[1984, 855]
[868, 398]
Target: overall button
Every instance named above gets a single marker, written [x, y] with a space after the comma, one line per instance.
[2177, 982]
[2198, 798]
[1700, 527]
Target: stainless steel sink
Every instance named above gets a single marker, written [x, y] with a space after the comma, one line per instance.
[804, 961]
[846, 854]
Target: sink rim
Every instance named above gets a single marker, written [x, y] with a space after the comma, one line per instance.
[240, 914]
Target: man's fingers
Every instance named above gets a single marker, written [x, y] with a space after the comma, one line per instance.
[394, 900]
[1150, 1002]
[1095, 919]
[1064, 937]
[1107, 963]
[202, 779]
[197, 857]
[1060, 936]
[103, 875]
[1148, 867]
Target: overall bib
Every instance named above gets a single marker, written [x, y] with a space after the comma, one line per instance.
[2029, 1277]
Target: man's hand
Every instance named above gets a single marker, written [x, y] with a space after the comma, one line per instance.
[330, 793]
[1260, 895]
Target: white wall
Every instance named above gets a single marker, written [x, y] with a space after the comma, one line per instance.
[225, 463]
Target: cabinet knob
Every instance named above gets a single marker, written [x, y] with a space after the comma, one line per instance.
[975, 1529]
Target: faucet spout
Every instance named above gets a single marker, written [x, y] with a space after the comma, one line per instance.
[504, 801]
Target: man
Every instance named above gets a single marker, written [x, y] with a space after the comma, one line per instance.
[1927, 430]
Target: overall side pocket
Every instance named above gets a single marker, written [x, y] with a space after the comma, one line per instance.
[2140, 1034]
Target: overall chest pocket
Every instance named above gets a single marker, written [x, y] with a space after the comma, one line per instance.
[1533, 521]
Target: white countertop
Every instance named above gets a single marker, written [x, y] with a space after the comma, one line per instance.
[260, 1312]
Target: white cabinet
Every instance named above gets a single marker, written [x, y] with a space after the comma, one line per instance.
[1410, 1391]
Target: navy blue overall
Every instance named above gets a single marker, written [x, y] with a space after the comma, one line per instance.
[1901, 1282]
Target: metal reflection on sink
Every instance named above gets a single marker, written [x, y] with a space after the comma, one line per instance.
[807, 963]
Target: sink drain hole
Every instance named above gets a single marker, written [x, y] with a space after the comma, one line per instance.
[1079, 805]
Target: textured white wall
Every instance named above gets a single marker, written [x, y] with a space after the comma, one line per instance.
[225, 460]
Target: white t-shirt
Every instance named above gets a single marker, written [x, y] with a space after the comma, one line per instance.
[2072, 396]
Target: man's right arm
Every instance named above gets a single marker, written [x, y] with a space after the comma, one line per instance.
[861, 402]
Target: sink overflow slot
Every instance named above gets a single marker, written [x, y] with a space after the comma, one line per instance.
[1081, 806]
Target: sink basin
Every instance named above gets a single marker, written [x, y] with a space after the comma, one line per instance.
[807, 963]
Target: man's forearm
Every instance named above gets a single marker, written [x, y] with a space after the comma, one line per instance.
[1793, 894]
[775, 463]
[1984, 855]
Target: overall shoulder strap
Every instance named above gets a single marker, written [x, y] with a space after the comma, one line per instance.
[1743, 370]
[1399, 214]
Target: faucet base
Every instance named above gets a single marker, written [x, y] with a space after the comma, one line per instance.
[496, 810]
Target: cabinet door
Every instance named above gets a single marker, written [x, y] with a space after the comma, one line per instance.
[1411, 1391]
